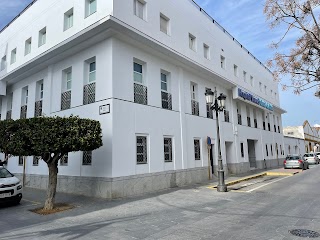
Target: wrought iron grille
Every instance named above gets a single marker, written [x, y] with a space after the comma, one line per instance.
[255, 123]
[87, 158]
[275, 128]
[23, 112]
[66, 100]
[167, 142]
[89, 93]
[226, 116]
[239, 119]
[64, 160]
[195, 107]
[36, 160]
[264, 125]
[197, 155]
[9, 114]
[269, 128]
[140, 94]
[166, 100]
[38, 109]
[278, 128]
[142, 150]
[20, 161]
[249, 121]
[209, 111]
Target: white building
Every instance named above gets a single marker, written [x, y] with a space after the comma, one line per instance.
[141, 68]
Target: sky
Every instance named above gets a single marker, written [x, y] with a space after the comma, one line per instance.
[243, 19]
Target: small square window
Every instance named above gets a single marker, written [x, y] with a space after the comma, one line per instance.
[235, 70]
[192, 42]
[206, 51]
[68, 19]
[42, 37]
[13, 56]
[223, 62]
[164, 24]
[140, 9]
[91, 7]
[3, 63]
[251, 81]
[27, 48]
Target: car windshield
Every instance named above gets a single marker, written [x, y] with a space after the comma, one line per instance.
[308, 155]
[4, 173]
[292, 158]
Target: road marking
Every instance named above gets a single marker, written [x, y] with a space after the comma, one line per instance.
[251, 190]
[23, 199]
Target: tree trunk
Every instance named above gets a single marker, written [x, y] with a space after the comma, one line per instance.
[52, 185]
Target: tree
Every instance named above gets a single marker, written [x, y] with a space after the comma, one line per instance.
[301, 63]
[51, 138]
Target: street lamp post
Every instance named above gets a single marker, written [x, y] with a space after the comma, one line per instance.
[217, 103]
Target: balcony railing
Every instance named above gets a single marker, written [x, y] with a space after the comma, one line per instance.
[23, 112]
[89, 93]
[38, 109]
[140, 94]
[195, 108]
[166, 100]
[9, 114]
[66, 100]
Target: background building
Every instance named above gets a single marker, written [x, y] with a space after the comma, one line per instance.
[141, 69]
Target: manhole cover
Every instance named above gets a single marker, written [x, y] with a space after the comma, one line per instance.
[304, 233]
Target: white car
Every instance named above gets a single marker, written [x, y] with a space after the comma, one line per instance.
[10, 187]
[311, 158]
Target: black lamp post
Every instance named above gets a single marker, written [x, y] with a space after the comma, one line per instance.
[217, 103]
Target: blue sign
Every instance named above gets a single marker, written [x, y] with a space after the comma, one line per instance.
[254, 99]
[209, 141]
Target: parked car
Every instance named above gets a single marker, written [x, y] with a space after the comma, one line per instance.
[295, 161]
[318, 155]
[311, 158]
[10, 187]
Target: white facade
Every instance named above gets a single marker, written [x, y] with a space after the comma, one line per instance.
[55, 41]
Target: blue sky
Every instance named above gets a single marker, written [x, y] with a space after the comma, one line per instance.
[244, 19]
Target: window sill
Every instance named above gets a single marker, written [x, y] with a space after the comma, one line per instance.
[90, 14]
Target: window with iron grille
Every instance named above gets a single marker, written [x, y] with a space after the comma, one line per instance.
[278, 129]
[38, 108]
[239, 119]
[165, 95]
[87, 158]
[269, 127]
[9, 113]
[264, 125]
[66, 100]
[167, 143]
[255, 123]
[140, 94]
[142, 154]
[275, 128]
[242, 149]
[271, 149]
[194, 97]
[20, 161]
[89, 93]
[23, 112]
[209, 111]
[197, 150]
[64, 160]
[9, 106]
[195, 107]
[249, 121]
[226, 116]
[35, 161]
[267, 153]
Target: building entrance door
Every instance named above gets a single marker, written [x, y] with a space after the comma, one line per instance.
[252, 153]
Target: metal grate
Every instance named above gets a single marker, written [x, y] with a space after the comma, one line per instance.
[23, 112]
[269, 127]
[38, 109]
[278, 128]
[226, 116]
[275, 128]
[195, 107]
[140, 94]
[197, 155]
[87, 158]
[255, 123]
[142, 155]
[20, 161]
[66, 100]
[9, 114]
[304, 233]
[166, 100]
[35, 161]
[239, 119]
[249, 121]
[89, 93]
[264, 125]
[167, 142]
[64, 160]
[209, 111]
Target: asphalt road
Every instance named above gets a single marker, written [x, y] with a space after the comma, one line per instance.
[269, 212]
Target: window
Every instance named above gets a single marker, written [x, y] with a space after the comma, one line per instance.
[89, 88]
[13, 56]
[92, 71]
[140, 90]
[239, 114]
[87, 158]
[166, 98]
[248, 117]
[140, 9]
[27, 47]
[265, 89]
[209, 110]
[242, 149]
[68, 19]
[167, 143]
[226, 116]
[64, 160]
[9, 106]
[3, 63]
[20, 161]
[244, 76]
[142, 155]
[91, 7]
[164, 24]
[260, 86]
[24, 103]
[271, 93]
[194, 102]
[197, 149]
[271, 149]
[42, 37]
[35, 161]
[275, 95]
[251, 81]
[223, 62]
[235, 70]
[66, 89]
[68, 79]
[39, 98]
[206, 51]
[255, 118]
[267, 153]
[192, 42]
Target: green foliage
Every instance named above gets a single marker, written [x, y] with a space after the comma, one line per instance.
[49, 135]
